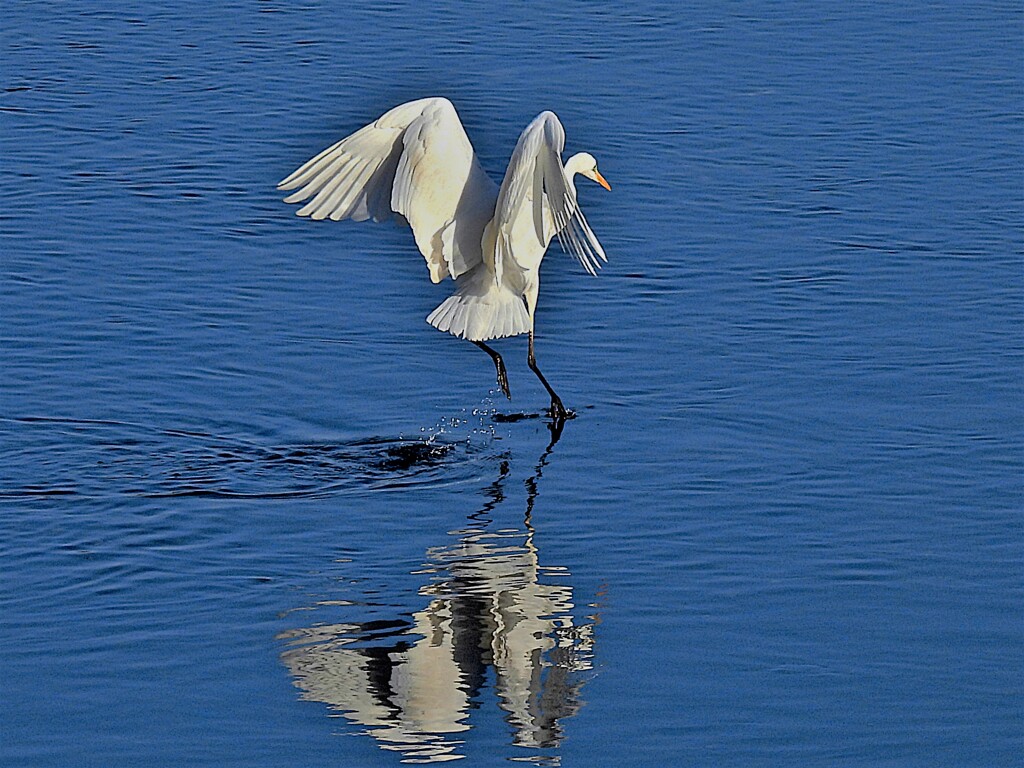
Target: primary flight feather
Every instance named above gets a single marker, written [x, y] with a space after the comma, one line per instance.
[416, 163]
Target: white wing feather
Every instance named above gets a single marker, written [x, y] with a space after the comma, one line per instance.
[417, 161]
[536, 167]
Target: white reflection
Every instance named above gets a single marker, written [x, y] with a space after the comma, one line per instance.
[495, 618]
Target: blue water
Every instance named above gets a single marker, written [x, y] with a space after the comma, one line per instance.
[254, 511]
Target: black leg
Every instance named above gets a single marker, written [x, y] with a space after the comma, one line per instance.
[499, 366]
[557, 409]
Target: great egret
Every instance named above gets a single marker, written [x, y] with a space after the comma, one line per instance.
[415, 163]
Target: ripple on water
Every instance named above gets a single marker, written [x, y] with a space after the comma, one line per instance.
[48, 457]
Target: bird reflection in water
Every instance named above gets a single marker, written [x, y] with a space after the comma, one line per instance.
[492, 609]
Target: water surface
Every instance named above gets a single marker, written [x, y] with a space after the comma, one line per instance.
[254, 511]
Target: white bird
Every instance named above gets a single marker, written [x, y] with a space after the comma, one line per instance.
[415, 164]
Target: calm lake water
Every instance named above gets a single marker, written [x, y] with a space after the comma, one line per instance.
[255, 511]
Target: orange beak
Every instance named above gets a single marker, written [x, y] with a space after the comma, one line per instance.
[601, 180]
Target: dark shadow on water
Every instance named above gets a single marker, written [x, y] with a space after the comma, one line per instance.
[512, 418]
[494, 619]
[404, 456]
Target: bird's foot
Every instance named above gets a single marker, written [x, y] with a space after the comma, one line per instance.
[558, 412]
[503, 378]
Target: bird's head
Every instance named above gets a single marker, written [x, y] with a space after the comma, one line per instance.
[585, 164]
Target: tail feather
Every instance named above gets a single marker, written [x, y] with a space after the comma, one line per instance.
[480, 309]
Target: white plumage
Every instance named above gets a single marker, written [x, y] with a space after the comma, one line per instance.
[416, 163]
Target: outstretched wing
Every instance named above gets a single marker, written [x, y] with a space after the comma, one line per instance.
[536, 177]
[416, 161]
